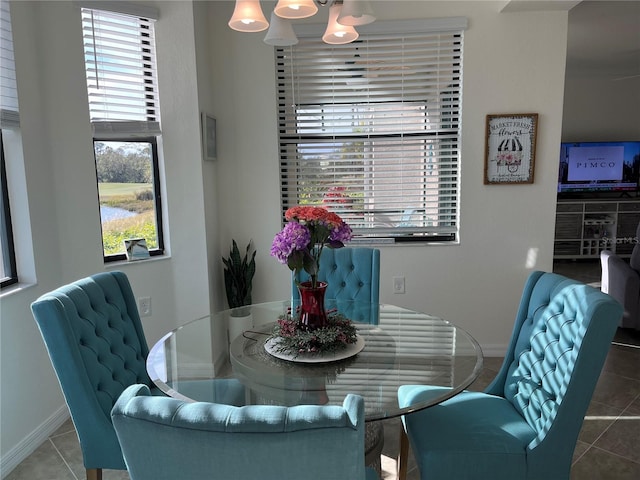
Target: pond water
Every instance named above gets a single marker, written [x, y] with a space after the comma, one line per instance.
[112, 213]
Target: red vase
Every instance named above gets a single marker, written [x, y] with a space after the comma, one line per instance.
[312, 312]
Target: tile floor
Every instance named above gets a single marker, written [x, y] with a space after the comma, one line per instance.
[608, 447]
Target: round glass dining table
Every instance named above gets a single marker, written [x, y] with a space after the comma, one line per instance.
[398, 346]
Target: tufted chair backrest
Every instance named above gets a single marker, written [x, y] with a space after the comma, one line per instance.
[560, 341]
[95, 340]
[168, 438]
[351, 274]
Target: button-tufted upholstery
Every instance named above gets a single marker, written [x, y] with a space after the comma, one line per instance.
[526, 423]
[164, 438]
[94, 337]
[351, 274]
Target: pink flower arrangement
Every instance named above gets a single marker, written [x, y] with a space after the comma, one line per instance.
[309, 229]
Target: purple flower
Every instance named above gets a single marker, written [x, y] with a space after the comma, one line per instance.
[308, 231]
[342, 233]
[294, 236]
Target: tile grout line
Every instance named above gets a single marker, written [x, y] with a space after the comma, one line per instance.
[616, 455]
[637, 397]
[593, 444]
[63, 459]
[573, 462]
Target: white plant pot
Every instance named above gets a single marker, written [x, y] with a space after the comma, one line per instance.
[238, 325]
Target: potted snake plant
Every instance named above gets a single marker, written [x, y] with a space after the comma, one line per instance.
[238, 280]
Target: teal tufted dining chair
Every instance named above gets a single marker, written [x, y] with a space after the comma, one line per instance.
[168, 439]
[94, 337]
[352, 274]
[526, 422]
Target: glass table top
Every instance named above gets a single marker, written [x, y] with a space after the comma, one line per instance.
[401, 346]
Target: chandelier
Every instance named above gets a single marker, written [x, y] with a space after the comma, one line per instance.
[344, 16]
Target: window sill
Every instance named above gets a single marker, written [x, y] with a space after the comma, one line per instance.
[121, 263]
[15, 289]
[391, 242]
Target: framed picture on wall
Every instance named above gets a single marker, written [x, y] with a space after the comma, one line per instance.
[209, 141]
[510, 148]
[136, 249]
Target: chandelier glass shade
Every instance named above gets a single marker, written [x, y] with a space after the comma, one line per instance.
[294, 9]
[356, 12]
[280, 33]
[337, 34]
[248, 17]
[343, 16]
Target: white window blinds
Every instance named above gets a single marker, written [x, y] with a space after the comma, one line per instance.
[120, 63]
[371, 129]
[9, 116]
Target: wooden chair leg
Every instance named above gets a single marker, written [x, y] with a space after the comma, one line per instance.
[403, 455]
[94, 474]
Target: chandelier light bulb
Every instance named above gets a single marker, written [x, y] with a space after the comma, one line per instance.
[248, 17]
[295, 9]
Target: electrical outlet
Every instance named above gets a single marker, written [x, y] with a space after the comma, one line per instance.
[144, 306]
[398, 284]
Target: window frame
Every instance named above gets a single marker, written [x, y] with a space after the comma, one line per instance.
[9, 119]
[157, 195]
[291, 141]
[125, 126]
[10, 272]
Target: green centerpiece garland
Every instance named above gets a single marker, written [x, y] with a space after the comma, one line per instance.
[296, 339]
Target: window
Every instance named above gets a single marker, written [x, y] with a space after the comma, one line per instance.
[120, 64]
[8, 272]
[9, 118]
[371, 129]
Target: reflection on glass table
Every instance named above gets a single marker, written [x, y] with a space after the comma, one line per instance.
[401, 346]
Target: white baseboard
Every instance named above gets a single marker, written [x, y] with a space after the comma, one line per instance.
[31, 442]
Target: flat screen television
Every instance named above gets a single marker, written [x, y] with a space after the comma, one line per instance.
[598, 167]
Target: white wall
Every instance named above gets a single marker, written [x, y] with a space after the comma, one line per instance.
[63, 204]
[513, 63]
[600, 108]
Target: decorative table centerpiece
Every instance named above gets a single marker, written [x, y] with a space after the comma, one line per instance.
[299, 246]
[292, 338]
